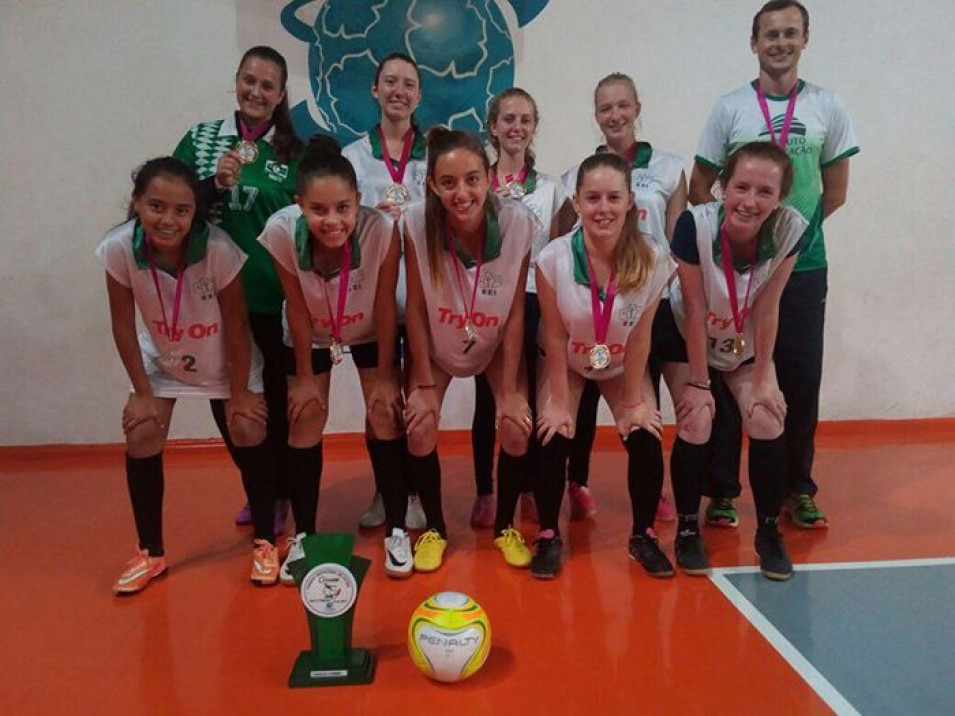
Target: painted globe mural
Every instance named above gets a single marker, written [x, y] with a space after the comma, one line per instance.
[463, 48]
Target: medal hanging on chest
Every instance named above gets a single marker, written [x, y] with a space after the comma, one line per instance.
[335, 349]
[514, 186]
[739, 315]
[787, 120]
[171, 356]
[470, 335]
[248, 149]
[600, 353]
[397, 192]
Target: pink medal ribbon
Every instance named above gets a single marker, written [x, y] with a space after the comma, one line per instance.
[600, 353]
[514, 186]
[470, 335]
[171, 331]
[247, 149]
[787, 121]
[739, 317]
[335, 349]
[397, 193]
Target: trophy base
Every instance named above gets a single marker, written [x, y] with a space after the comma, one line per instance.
[356, 668]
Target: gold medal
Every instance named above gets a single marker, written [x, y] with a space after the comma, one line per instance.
[599, 356]
[336, 352]
[515, 189]
[397, 194]
[247, 151]
[470, 336]
[739, 345]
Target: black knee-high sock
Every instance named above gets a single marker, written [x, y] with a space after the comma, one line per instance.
[427, 471]
[687, 467]
[510, 471]
[305, 477]
[578, 467]
[483, 434]
[644, 478]
[551, 477]
[144, 478]
[768, 476]
[255, 466]
[388, 462]
[368, 446]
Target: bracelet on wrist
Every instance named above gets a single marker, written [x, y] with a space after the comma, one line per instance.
[700, 384]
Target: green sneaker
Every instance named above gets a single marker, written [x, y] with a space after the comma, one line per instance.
[721, 512]
[803, 511]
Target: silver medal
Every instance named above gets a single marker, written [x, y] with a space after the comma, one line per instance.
[397, 194]
[336, 352]
[515, 189]
[599, 356]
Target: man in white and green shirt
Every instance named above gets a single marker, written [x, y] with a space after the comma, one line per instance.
[819, 139]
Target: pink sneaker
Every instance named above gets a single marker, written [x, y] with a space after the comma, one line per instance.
[666, 512]
[582, 504]
[529, 508]
[482, 514]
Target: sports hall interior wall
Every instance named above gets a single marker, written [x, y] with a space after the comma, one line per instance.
[90, 90]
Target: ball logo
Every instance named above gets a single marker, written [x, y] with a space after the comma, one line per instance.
[329, 590]
[449, 636]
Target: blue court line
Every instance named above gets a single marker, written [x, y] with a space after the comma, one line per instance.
[812, 676]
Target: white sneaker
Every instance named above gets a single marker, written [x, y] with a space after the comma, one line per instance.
[398, 559]
[295, 553]
[414, 517]
[374, 516]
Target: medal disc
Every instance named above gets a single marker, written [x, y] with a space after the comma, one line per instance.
[248, 151]
[599, 356]
[739, 345]
[515, 189]
[397, 194]
[337, 354]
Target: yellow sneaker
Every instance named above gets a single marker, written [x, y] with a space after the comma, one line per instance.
[429, 551]
[139, 572]
[265, 564]
[511, 544]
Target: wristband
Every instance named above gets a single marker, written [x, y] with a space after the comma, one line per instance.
[700, 384]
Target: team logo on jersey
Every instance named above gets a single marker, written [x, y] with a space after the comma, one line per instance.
[630, 313]
[205, 288]
[355, 280]
[797, 128]
[275, 171]
[490, 283]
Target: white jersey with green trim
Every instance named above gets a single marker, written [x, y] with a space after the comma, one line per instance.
[500, 272]
[373, 175]
[545, 202]
[786, 233]
[287, 239]
[821, 134]
[192, 362]
[563, 266]
[653, 181]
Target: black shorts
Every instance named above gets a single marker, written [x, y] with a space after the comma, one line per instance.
[667, 345]
[365, 355]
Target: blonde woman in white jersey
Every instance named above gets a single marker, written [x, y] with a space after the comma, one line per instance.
[338, 263]
[734, 257]
[599, 288]
[390, 163]
[512, 120]
[467, 252]
[659, 187]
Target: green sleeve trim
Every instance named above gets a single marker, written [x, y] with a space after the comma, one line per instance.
[845, 155]
[707, 163]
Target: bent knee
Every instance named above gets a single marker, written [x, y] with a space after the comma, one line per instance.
[513, 439]
[424, 438]
[384, 426]
[762, 424]
[145, 440]
[307, 428]
[696, 429]
[245, 432]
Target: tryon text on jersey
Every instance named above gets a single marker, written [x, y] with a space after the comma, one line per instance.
[196, 331]
[478, 319]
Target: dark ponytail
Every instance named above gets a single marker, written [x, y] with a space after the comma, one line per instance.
[323, 158]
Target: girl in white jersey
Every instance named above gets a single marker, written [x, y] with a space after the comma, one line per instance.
[181, 273]
[390, 162]
[512, 120]
[734, 259]
[659, 187]
[598, 289]
[338, 263]
[467, 251]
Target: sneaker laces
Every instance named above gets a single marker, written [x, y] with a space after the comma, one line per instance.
[429, 537]
[266, 552]
[510, 536]
[805, 503]
[724, 504]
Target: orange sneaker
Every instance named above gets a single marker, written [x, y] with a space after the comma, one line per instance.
[139, 572]
[265, 564]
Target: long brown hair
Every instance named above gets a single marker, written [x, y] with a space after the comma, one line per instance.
[441, 141]
[633, 257]
[286, 142]
[494, 109]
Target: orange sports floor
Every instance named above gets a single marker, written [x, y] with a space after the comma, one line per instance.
[602, 639]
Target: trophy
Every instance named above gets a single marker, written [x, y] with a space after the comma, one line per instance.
[328, 579]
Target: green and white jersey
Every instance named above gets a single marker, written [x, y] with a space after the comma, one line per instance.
[544, 198]
[264, 187]
[655, 176]
[821, 135]
[563, 263]
[287, 239]
[373, 178]
[192, 361]
[778, 240]
[510, 233]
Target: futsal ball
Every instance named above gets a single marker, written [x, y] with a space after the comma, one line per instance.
[449, 636]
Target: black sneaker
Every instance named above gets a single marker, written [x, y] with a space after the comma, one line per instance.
[546, 561]
[690, 553]
[645, 550]
[774, 561]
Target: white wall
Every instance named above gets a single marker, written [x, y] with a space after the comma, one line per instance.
[91, 89]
